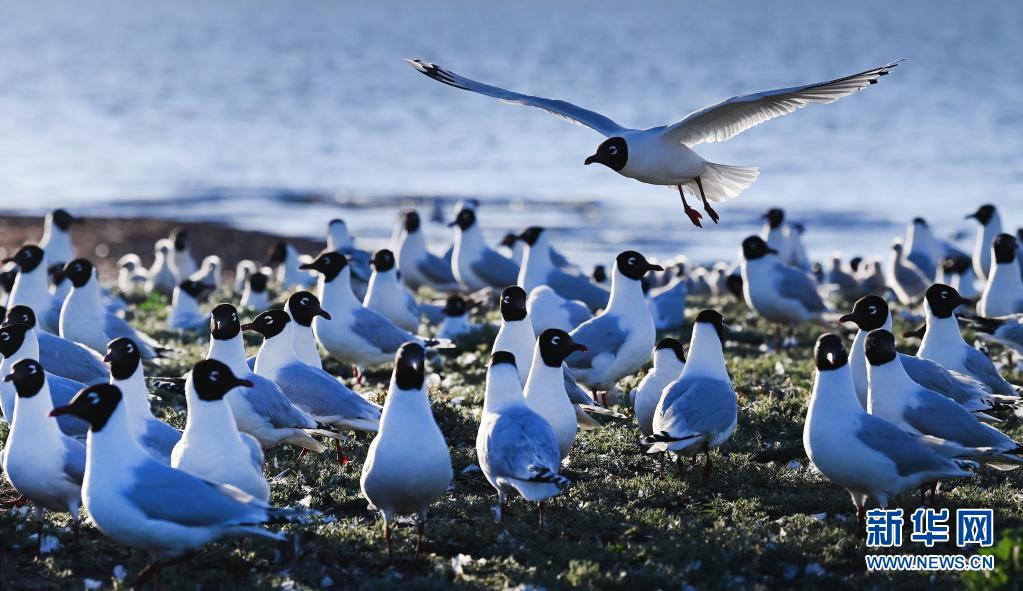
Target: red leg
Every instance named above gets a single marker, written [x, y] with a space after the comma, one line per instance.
[301, 454]
[694, 216]
[706, 205]
[342, 459]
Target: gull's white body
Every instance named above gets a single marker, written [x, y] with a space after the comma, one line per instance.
[647, 396]
[546, 396]
[390, 298]
[1003, 292]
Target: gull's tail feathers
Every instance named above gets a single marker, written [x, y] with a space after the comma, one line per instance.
[722, 182]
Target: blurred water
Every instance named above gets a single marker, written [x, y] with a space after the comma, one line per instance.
[234, 105]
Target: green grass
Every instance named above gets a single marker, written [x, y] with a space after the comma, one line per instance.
[764, 520]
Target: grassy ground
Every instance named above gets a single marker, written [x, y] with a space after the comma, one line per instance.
[764, 520]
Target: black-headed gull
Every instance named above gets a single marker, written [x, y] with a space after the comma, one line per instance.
[669, 361]
[990, 226]
[304, 307]
[255, 295]
[387, 295]
[663, 155]
[545, 390]
[864, 454]
[1003, 291]
[32, 283]
[159, 277]
[56, 240]
[408, 465]
[59, 355]
[776, 291]
[420, 267]
[474, 264]
[538, 269]
[182, 263]
[185, 315]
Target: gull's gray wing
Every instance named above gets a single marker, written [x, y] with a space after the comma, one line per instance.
[922, 262]
[733, 116]
[559, 260]
[435, 269]
[71, 360]
[74, 460]
[163, 493]
[578, 287]
[62, 390]
[316, 392]
[932, 376]
[267, 400]
[521, 441]
[577, 313]
[576, 393]
[558, 108]
[698, 406]
[796, 285]
[379, 331]
[938, 416]
[496, 269]
[908, 455]
[600, 335]
[910, 278]
[982, 368]
[359, 261]
[160, 437]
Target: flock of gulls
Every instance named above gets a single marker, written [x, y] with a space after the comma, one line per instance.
[82, 434]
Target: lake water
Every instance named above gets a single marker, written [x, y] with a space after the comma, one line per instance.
[242, 111]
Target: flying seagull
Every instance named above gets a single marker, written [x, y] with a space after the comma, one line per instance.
[663, 155]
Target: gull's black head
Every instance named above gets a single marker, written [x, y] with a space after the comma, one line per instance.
[213, 379]
[27, 376]
[674, 345]
[21, 314]
[258, 282]
[715, 319]
[383, 260]
[62, 219]
[919, 222]
[880, 347]
[269, 324]
[983, 214]
[92, 404]
[869, 313]
[943, 300]
[775, 217]
[734, 284]
[600, 274]
[465, 219]
[329, 264]
[829, 353]
[634, 265]
[412, 221]
[510, 239]
[124, 358]
[556, 345]
[754, 247]
[277, 254]
[224, 323]
[78, 271]
[12, 337]
[455, 306]
[855, 262]
[7, 279]
[612, 153]
[180, 239]
[531, 234]
[197, 290]
[513, 303]
[502, 357]
[1004, 246]
[410, 366]
[28, 258]
[304, 307]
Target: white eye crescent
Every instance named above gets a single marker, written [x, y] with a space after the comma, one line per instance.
[632, 260]
[556, 340]
[93, 398]
[32, 369]
[873, 310]
[304, 301]
[613, 150]
[506, 300]
[214, 376]
[5, 336]
[129, 348]
[268, 320]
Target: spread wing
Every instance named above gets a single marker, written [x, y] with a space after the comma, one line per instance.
[496, 269]
[733, 116]
[561, 109]
[796, 285]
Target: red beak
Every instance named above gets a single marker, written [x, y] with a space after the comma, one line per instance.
[247, 326]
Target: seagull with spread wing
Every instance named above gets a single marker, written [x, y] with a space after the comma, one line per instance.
[663, 155]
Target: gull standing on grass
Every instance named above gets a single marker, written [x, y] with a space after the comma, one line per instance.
[184, 314]
[943, 342]
[669, 361]
[60, 356]
[545, 388]
[474, 264]
[255, 294]
[32, 283]
[408, 466]
[549, 310]
[1006, 330]
[41, 463]
[418, 266]
[697, 412]
[663, 155]
[944, 424]
[990, 226]
[871, 313]
[262, 410]
[907, 281]
[209, 273]
[1003, 292]
[211, 446]
[159, 277]
[142, 503]
[309, 388]
[304, 308]
[353, 333]
[538, 269]
[864, 454]
[781, 294]
[388, 296]
[17, 342]
[182, 263]
[85, 320]
[619, 339]
[284, 258]
[516, 448]
[456, 321]
[56, 240]
[155, 436]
